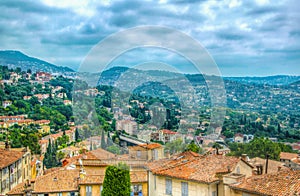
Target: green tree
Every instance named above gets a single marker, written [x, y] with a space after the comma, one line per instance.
[175, 146]
[193, 147]
[103, 143]
[116, 181]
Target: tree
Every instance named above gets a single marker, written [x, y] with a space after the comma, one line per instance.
[193, 147]
[103, 143]
[116, 181]
[175, 146]
[76, 135]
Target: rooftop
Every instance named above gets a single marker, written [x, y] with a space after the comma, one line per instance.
[288, 156]
[192, 166]
[8, 157]
[61, 180]
[280, 183]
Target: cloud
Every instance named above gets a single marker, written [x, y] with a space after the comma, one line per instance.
[232, 30]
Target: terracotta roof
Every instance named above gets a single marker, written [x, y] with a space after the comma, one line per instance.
[8, 157]
[151, 146]
[135, 177]
[166, 131]
[280, 183]
[99, 154]
[189, 166]
[288, 156]
[62, 180]
[273, 166]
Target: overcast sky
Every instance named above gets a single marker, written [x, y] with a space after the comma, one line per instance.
[259, 37]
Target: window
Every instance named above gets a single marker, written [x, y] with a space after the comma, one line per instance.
[214, 193]
[238, 170]
[137, 188]
[71, 194]
[138, 154]
[59, 194]
[88, 190]
[168, 186]
[184, 189]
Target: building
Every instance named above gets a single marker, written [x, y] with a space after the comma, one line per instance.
[6, 103]
[14, 168]
[129, 126]
[191, 174]
[42, 77]
[61, 182]
[153, 151]
[291, 160]
[279, 183]
[239, 138]
[166, 136]
[94, 164]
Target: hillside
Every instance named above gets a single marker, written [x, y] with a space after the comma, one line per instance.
[270, 80]
[14, 59]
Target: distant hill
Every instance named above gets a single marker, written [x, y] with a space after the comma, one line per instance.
[14, 59]
[270, 80]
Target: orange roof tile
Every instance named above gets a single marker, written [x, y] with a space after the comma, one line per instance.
[288, 156]
[191, 166]
[273, 166]
[151, 146]
[8, 157]
[280, 183]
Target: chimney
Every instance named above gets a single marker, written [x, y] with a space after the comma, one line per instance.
[267, 163]
[244, 157]
[279, 168]
[6, 145]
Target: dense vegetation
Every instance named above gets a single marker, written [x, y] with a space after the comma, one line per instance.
[116, 181]
[259, 147]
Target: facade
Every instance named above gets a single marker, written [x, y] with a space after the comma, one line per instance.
[14, 168]
[190, 174]
[291, 160]
[153, 151]
[6, 103]
[239, 138]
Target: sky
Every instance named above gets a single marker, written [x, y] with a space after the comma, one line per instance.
[244, 38]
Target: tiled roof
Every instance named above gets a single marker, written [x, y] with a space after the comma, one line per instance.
[273, 166]
[135, 177]
[167, 131]
[187, 166]
[99, 154]
[62, 180]
[8, 157]
[280, 183]
[151, 146]
[288, 156]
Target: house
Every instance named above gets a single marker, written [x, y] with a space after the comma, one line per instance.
[191, 174]
[14, 168]
[94, 164]
[42, 77]
[239, 138]
[129, 126]
[63, 182]
[273, 166]
[279, 183]
[153, 151]
[291, 160]
[6, 103]
[67, 102]
[166, 136]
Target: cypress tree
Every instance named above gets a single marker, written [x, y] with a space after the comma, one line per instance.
[116, 181]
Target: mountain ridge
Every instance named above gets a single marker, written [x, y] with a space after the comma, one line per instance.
[15, 58]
